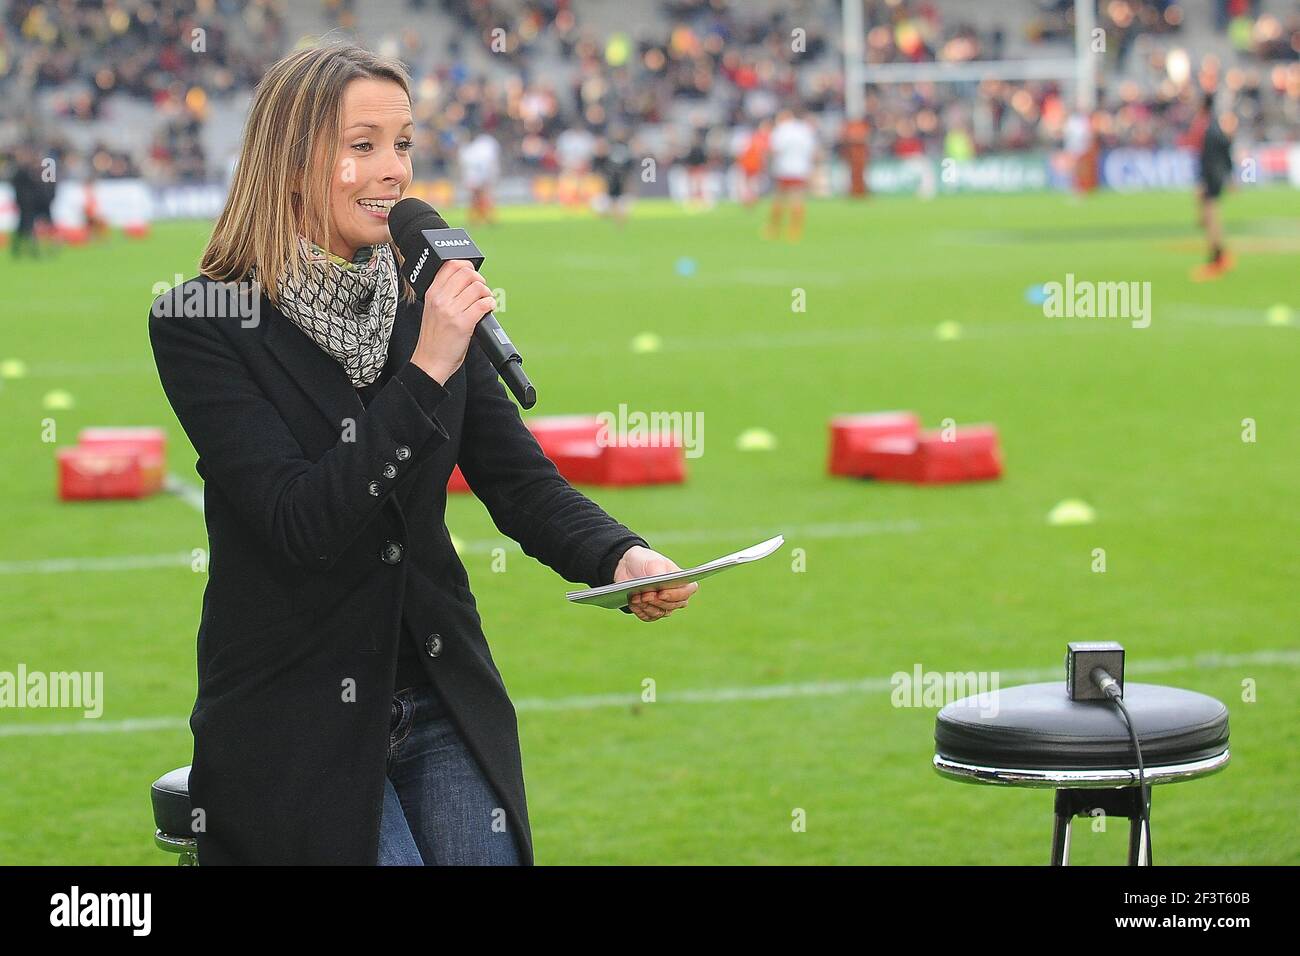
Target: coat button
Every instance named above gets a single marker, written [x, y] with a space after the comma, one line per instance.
[390, 470]
[392, 552]
[374, 488]
[402, 453]
[433, 645]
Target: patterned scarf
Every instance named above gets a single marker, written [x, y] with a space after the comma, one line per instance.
[347, 308]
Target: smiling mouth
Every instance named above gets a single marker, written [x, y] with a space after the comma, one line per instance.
[378, 207]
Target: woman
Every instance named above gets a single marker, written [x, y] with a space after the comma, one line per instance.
[349, 710]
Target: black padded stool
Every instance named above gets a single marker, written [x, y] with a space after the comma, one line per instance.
[170, 795]
[1035, 736]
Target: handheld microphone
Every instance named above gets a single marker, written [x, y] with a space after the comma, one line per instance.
[426, 243]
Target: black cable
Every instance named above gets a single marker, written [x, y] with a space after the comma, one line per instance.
[1145, 794]
[1110, 687]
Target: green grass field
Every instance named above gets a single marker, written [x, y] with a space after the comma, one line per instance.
[1198, 526]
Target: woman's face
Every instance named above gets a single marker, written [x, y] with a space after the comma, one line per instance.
[374, 164]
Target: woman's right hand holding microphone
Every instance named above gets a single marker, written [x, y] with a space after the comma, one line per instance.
[455, 302]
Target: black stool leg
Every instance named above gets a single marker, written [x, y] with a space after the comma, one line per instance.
[1063, 816]
[1122, 802]
[1139, 852]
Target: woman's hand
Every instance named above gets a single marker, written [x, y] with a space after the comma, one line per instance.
[638, 562]
[453, 305]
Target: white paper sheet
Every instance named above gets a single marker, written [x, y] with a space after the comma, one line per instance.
[615, 596]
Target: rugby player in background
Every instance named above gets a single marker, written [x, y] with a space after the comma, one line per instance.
[1215, 144]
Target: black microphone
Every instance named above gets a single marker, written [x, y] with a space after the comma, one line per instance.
[426, 243]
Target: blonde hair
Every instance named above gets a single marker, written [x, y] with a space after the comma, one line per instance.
[281, 184]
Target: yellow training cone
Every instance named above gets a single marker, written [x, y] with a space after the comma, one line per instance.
[58, 399]
[647, 342]
[13, 368]
[948, 331]
[1072, 511]
[756, 439]
[1279, 314]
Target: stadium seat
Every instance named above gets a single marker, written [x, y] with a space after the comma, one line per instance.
[170, 795]
[1036, 736]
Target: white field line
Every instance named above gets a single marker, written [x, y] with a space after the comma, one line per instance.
[88, 369]
[844, 529]
[741, 536]
[875, 685]
[754, 341]
[126, 562]
[1218, 315]
[837, 338]
[192, 495]
[1032, 324]
[133, 725]
[719, 695]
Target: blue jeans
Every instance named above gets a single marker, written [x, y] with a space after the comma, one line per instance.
[439, 808]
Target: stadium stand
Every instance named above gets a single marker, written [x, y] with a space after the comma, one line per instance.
[123, 90]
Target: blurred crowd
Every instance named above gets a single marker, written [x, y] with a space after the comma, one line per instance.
[62, 60]
[962, 120]
[687, 81]
[139, 46]
[712, 65]
[718, 69]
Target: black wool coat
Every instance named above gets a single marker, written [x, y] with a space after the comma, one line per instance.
[326, 525]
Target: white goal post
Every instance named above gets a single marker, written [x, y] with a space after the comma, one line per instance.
[1082, 70]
